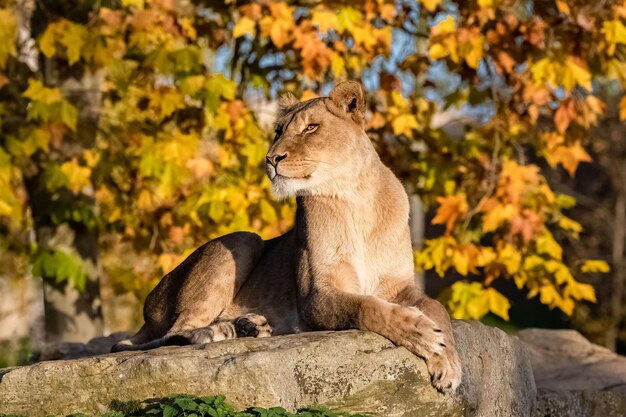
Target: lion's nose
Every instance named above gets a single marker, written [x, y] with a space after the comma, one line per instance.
[273, 160]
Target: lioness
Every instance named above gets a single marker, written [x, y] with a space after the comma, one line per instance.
[346, 264]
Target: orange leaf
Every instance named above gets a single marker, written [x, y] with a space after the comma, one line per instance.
[450, 209]
[561, 119]
[569, 157]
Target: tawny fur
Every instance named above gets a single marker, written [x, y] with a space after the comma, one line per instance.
[347, 262]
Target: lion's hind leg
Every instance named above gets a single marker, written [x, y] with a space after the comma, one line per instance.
[252, 325]
[248, 325]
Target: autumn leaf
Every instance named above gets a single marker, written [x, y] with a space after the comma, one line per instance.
[245, 26]
[570, 225]
[569, 157]
[498, 304]
[573, 73]
[622, 108]
[460, 262]
[563, 7]
[510, 257]
[324, 19]
[77, 176]
[614, 32]
[595, 266]
[548, 246]
[430, 5]
[404, 124]
[468, 301]
[496, 214]
[8, 34]
[450, 209]
[562, 118]
[37, 91]
[279, 25]
[580, 291]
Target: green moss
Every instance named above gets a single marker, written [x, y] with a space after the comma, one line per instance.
[184, 405]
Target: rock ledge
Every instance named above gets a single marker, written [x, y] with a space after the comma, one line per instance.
[345, 371]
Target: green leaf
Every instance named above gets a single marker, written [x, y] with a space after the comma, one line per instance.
[169, 411]
[68, 115]
[186, 404]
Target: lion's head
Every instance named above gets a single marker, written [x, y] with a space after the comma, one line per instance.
[320, 144]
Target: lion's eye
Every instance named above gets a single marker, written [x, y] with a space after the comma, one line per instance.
[278, 131]
[311, 128]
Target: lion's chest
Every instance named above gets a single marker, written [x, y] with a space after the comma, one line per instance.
[375, 262]
[366, 273]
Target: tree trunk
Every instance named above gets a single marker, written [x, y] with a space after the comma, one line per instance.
[617, 294]
[70, 315]
[416, 226]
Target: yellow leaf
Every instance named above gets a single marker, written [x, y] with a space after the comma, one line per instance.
[8, 35]
[460, 262]
[133, 3]
[573, 74]
[337, 65]
[475, 53]
[437, 51]
[450, 209]
[404, 124]
[268, 213]
[548, 295]
[324, 19]
[498, 304]
[447, 25]
[569, 157]
[563, 7]
[5, 209]
[308, 95]
[192, 84]
[279, 26]
[348, 19]
[581, 291]
[77, 176]
[37, 92]
[169, 261]
[510, 258]
[616, 70]
[570, 225]
[73, 38]
[545, 71]
[595, 265]
[468, 300]
[496, 216]
[614, 32]
[546, 245]
[622, 108]
[430, 5]
[146, 201]
[486, 255]
[245, 26]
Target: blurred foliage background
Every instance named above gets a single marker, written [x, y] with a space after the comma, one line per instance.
[132, 131]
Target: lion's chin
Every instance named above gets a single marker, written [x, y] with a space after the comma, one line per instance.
[283, 187]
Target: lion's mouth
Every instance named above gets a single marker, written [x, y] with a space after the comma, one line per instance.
[274, 175]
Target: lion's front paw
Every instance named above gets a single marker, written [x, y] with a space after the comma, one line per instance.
[252, 325]
[418, 333]
[445, 370]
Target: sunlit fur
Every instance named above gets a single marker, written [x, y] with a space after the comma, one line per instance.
[347, 262]
[322, 162]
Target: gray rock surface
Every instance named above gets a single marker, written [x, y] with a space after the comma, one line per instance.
[346, 371]
[574, 377]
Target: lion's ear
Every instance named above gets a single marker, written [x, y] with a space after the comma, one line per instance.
[286, 101]
[350, 99]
